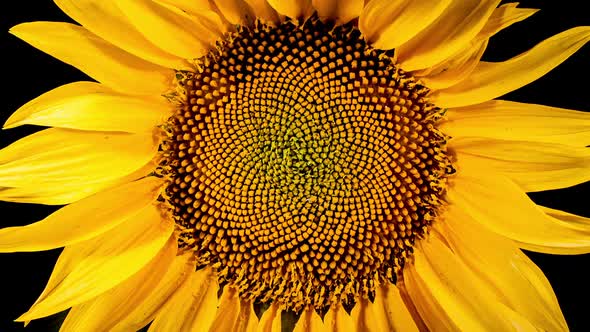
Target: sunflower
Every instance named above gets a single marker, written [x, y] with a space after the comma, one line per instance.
[253, 165]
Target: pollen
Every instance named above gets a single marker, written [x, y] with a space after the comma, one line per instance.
[302, 164]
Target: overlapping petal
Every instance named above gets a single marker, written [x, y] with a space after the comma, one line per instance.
[108, 21]
[54, 157]
[452, 31]
[170, 27]
[502, 207]
[100, 212]
[117, 304]
[96, 57]
[388, 24]
[508, 120]
[450, 296]
[339, 11]
[92, 106]
[234, 313]
[88, 269]
[491, 80]
[193, 305]
[387, 312]
[294, 9]
[535, 166]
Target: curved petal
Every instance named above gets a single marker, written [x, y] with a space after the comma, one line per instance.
[491, 80]
[271, 319]
[458, 67]
[294, 9]
[104, 311]
[571, 219]
[193, 305]
[202, 12]
[502, 207]
[534, 166]
[234, 314]
[189, 6]
[99, 59]
[63, 156]
[100, 212]
[107, 21]
[388, 24]
[339, 11]
[508, 120]
[263, 10]
[169, 27]
[454, 29]
[149, 300]
[568, 219]
[90, 268]
[309, 321]
[52, 194]
[236, 11]
[387, 313]
[517, 281]
[450, 297]
[503, 17]
[454, 69]
[338, 320]
[92, 106]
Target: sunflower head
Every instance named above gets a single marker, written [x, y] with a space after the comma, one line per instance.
[265, 165]
[303, 163]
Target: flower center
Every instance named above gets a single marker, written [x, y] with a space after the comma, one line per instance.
[303, 164]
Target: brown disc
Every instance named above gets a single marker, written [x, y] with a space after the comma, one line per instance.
[303, 164]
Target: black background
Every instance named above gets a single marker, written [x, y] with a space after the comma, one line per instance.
[27, 73]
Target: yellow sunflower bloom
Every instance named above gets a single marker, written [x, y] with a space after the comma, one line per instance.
[306, 165]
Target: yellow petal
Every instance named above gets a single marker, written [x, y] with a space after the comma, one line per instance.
[510, 274]
[263, 10]
[192, 307]
[502, 207]
[569, 220]
[454, 69]
[295, 9]
[92, 106]
[271, 319]
[503, 17]
[310, 321]
[148, 303]
[450, 297]
[388, 24]
[107, 21]
[236, 11]
[100, 212]
[339, 11]
[90, 268]
[64, 156]
[104, 311]
[387, 313]
[458, 67]
[51, 194]
[99, 59]
[454, 29]
[201, 11]
[189, 6]
[508, 120]
[169, 27]
[338, 320]
[234, 314]
[535, 166]
[491, 80]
